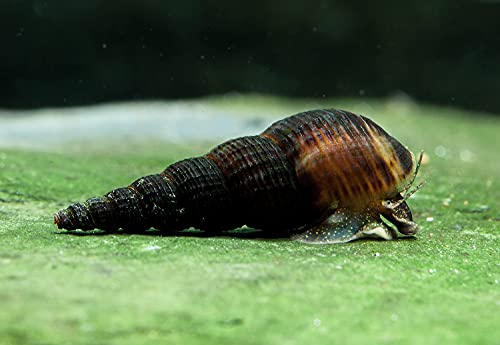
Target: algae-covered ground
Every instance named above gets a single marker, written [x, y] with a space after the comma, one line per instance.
[440, 288]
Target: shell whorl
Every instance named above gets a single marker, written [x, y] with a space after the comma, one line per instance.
[262, 182]
[341, 157]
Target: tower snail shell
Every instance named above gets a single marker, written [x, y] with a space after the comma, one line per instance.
[321, 176]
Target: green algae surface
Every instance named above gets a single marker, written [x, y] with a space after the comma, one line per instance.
[440, 288]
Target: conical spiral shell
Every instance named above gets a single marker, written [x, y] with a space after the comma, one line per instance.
[284, 179]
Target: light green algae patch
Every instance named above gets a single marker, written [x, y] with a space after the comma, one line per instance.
[440, 288]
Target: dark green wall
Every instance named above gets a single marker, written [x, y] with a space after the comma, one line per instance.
[79, 52]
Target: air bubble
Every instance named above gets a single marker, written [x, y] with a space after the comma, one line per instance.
[466, 156]
[441, 151]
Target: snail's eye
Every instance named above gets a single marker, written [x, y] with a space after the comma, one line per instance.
[386, 203]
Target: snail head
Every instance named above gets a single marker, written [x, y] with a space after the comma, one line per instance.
[397, 211]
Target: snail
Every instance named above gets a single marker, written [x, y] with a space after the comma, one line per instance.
[321, 176]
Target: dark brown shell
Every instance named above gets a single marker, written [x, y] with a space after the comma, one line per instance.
[343, 157]
[295, 176]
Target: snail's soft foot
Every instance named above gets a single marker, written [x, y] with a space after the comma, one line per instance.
[343, 226]
[380, 230]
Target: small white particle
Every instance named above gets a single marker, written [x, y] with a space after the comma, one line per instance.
[432, 270]
[429, 219]
[152, 248]
[456, 271]
[377, 254]
[446, 202]
[466, 155]
[338, 267]
[440, 151]
[496, 281]
[104, 46]
[317, 322]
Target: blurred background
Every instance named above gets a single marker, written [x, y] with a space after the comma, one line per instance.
[66, 53]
